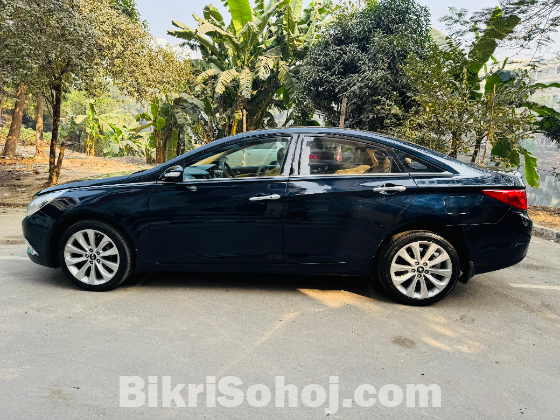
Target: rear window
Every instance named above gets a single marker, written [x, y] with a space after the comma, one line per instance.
[414, 165]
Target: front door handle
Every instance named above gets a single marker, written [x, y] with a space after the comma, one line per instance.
[265, 197]
[384, 189]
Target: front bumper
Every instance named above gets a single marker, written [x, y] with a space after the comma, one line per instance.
[37, 231]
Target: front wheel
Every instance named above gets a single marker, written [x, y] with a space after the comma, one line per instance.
[418, 267]
[95, 256]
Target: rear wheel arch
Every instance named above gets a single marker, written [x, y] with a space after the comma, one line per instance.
[72, 220]
[444, 231]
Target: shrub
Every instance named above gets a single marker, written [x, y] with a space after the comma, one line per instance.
[26, 135]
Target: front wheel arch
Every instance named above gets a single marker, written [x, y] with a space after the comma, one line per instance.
[81, 217]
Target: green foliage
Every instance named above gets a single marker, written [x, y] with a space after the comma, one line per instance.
[248, 66]
[531, 172]
[361, 57]
[127, 8]
[453, 114]
[76, 102]
[170, 129]
[497, 28]
[114, 131]
[241, 14]
[26, 135]
[539, 19]
[122, 141]
[447, 118]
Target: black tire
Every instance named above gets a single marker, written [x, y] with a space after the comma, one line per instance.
[388, 252]
[125, 255]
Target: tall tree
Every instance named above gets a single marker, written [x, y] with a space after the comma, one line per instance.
[15, 127]
[361, 56]
[82, 44]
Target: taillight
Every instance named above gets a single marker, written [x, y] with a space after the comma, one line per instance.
[313, 157]
[516, 198]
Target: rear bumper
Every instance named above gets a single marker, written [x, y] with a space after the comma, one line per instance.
[37, 231]
[500, 245]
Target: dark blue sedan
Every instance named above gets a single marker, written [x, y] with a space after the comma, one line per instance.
[298, 200]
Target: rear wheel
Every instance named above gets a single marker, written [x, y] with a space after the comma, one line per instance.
[418, 267]
[95, 256]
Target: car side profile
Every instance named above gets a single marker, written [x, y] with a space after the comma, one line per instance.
[296, 200]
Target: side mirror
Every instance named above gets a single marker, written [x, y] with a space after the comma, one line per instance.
[173, 174]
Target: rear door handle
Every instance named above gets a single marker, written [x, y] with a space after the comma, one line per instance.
[393, 188]
[265, 197]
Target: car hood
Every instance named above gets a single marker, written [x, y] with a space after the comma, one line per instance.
[92, 181]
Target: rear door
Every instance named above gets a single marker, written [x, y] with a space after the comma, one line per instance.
[344, 193]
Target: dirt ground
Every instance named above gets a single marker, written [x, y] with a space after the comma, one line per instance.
[22, 177]
[545, 216]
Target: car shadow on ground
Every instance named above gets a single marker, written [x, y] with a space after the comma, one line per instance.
[250, 281]
[361, 286]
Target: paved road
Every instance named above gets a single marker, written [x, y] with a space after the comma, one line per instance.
[492, 348]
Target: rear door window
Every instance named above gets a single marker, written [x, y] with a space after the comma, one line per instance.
[325, 155]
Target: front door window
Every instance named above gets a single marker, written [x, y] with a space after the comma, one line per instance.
[249, 159]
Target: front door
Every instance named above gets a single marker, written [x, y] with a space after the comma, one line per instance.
[345, 193]
[228, 208]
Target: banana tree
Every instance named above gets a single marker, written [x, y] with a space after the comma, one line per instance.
[93, 128]
[122, 141]
[253, 57]
[498, 27]
[155, 120]
[165, 127]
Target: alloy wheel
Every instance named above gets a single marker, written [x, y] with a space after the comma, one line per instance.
[91, 257]
[421, 270]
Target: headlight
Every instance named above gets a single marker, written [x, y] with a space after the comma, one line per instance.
[42, 200]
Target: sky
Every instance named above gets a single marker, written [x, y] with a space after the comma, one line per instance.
[159, 13]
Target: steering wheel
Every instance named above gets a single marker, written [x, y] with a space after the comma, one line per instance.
[226, 169]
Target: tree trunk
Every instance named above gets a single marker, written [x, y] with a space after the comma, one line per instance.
[343, 112]
[54, 166]
[164, 147]
[15, 128]
[181, 146]
[159, 147]
[476, 150]
[455, 145]
[39, 145]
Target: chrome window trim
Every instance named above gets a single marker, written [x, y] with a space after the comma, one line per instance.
[290, 155]
[432, 174]
[252, 178]
[372, 175]
[333, 176]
